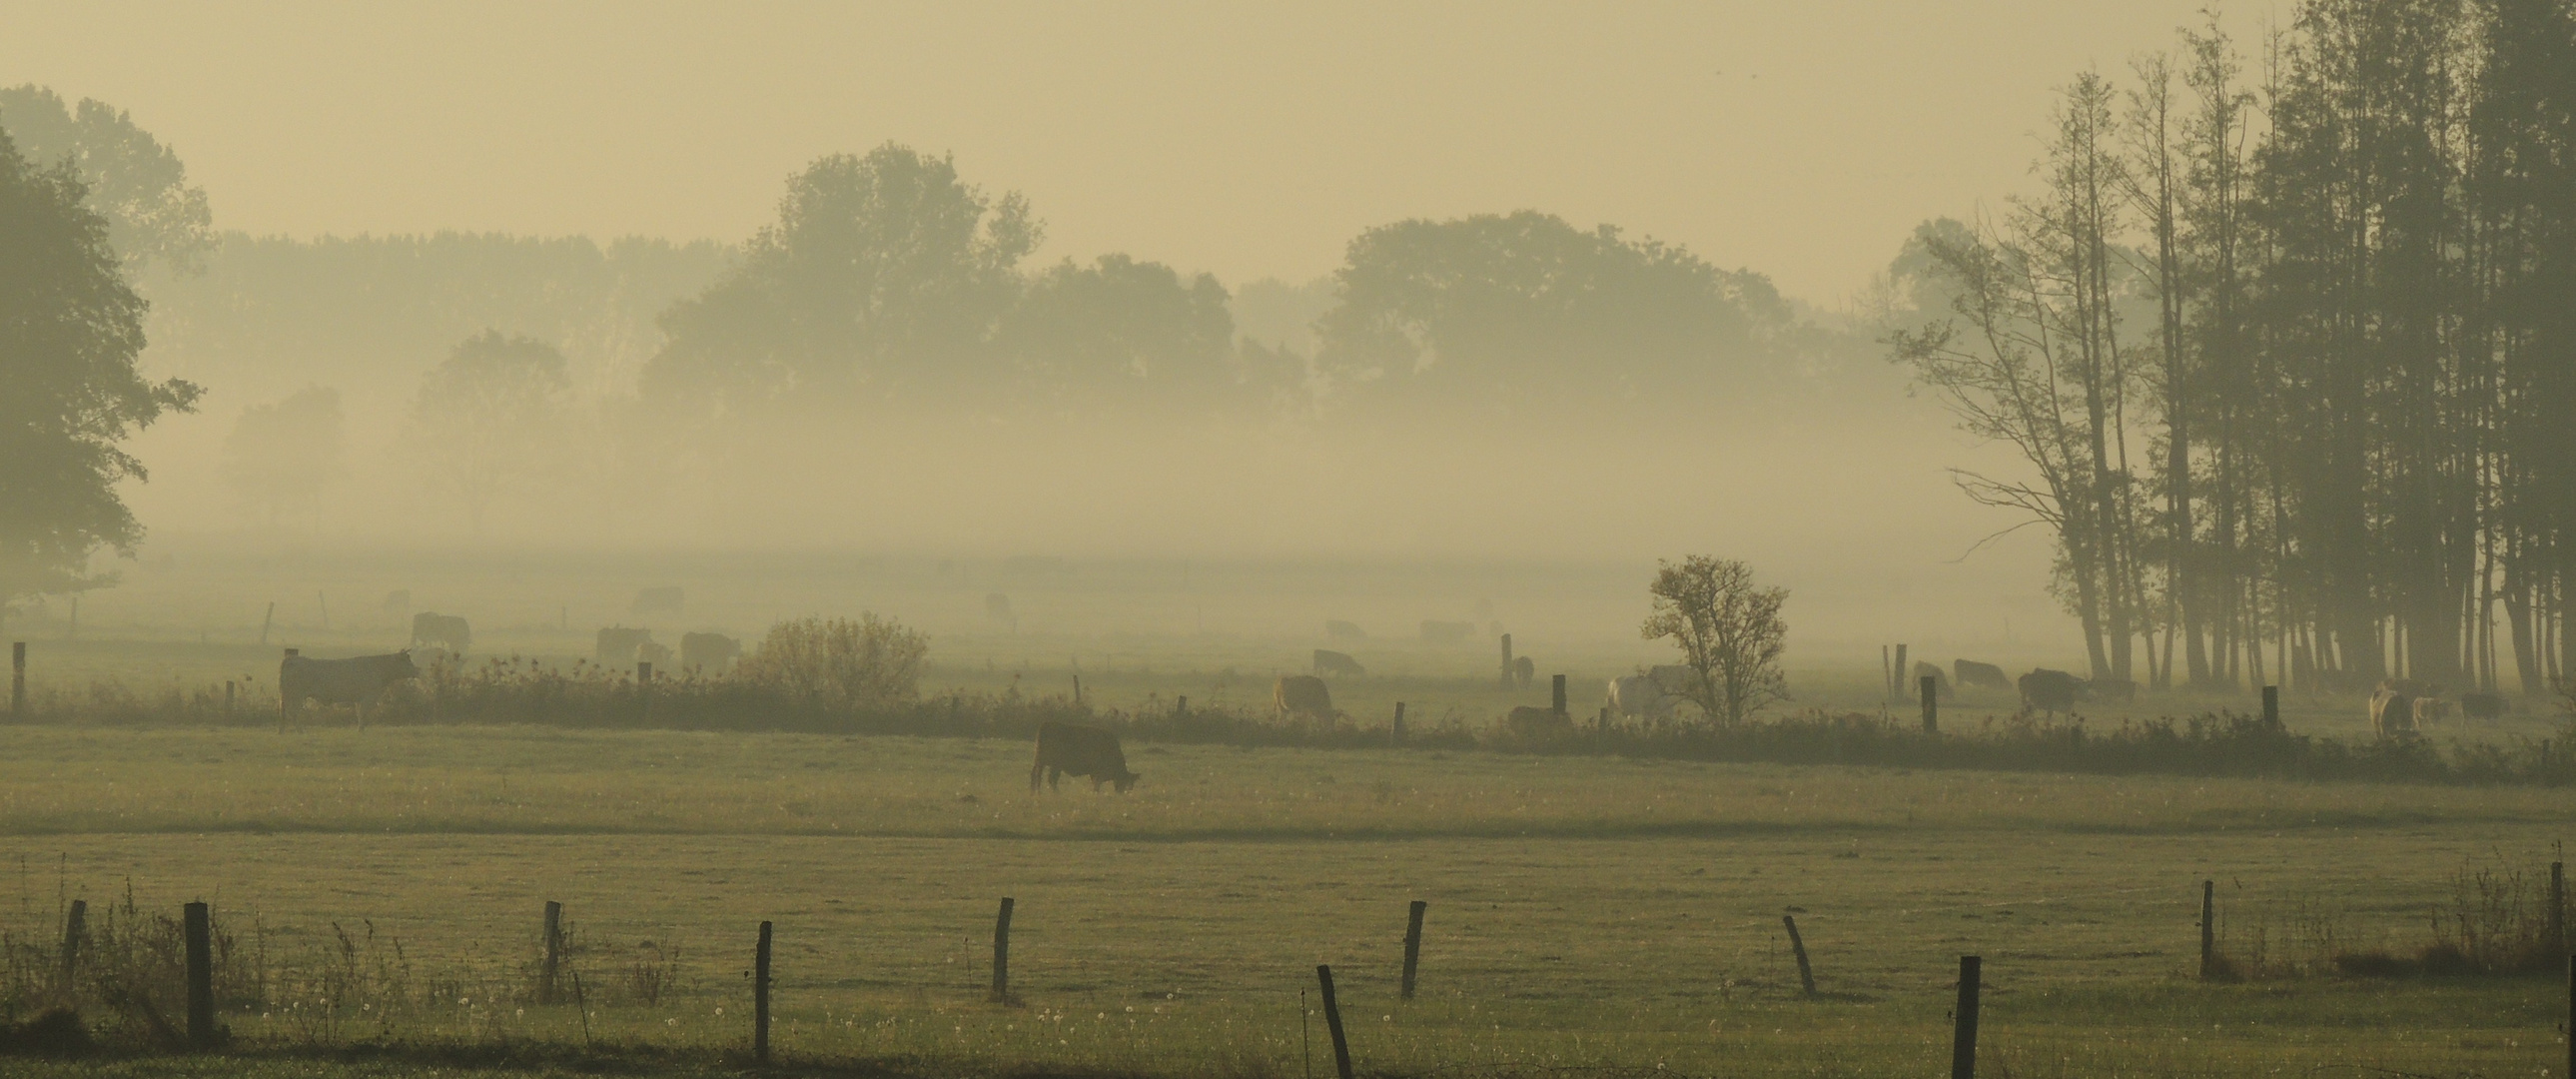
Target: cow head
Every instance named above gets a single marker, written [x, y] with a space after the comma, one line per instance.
[404, 667]
[1127, 782]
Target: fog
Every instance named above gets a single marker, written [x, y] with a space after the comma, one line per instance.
[385, 186]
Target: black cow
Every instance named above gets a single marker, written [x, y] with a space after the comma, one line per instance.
[708, 651]
[1337, 664]
[2050, 691]
[358, 682]
[1065, 749]
[444, 630]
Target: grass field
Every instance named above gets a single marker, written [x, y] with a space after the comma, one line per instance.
[1583, 912]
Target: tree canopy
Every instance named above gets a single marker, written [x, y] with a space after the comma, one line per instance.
[70, 331]
[153, 214]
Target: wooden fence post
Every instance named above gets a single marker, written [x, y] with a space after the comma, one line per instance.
[2571, 1016]
[2558, 914]
[1412, 945]
[1077, 691]
[546, 975]
[644, 672]
[17, 679]
[2208, 929]
[1181, 707]
[1002, 954]
[1798, 947]
[1507, 661]
[1886, 675]
[199, 932]
[265, 620]
[1931, 704]
[1397, 735]
[1333, 1023]
[760, 998]
[72, 928]
[1963, 1040]
[228, 697]
[1896, 685]
[2272, 708]
[1556, 694]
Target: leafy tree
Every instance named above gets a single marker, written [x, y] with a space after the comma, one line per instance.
[1120, 324]
[140, 185]
[1729, 630]
[492, 418]
[839, 664]
[280, 457]
[884, 271]
[70, 331]
[1531, 306]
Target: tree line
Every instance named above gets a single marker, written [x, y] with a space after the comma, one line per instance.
[2288, 343]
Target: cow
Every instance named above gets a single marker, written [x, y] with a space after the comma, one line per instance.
[1524, 671]
[653, 652]
[1437, 632]
[2392, 714]
[618, 645]
[358, 682]
[1981, 675]
[2049, 691]
[1337, 664]
[2431, 710]
[658, 600]
[444, 630]
[1639, 696]
[2409, 687]
[1065, 749]
[1940, 680]
[708, 651]
[1528, 722]
[1344, 631]
[1303, 695]
[2482, 704]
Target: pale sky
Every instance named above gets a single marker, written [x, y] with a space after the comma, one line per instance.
[1801, 139]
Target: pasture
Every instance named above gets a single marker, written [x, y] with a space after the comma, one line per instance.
[1583, 912]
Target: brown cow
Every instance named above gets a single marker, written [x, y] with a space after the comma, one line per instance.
[1065, 749]
[1303, 695]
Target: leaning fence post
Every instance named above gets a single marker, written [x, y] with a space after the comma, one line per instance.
[1412, 945]
[197, 928]
[18, 680]
[760, 998]
[1963, 1042]
[72, 923]
[1931, 704]
[1798, 947]
[2208, 929]
[1333, 1023]
[1002, 954]
[554, 953]
[2272, 708]
[265, 620]
[1397, 736]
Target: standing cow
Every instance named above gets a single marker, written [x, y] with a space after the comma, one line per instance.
[1982, 675]
[359, 682]
[708, 651]
[2392, 714]
[1065, 749]
[444, 630]
[2044, 690]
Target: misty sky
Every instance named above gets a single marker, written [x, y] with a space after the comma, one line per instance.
[1798, 138]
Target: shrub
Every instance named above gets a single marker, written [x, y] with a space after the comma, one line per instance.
[838, 664]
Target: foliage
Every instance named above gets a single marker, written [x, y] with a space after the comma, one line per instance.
[70, 332]
[837, 664]
[281, 456]
[488, 419]
[1119, 325]
[884, 270]
[139, 185]
[1729, 630]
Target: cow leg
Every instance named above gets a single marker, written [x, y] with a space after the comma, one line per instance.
[1035, 771]
[1095, 784]
[1055, 779]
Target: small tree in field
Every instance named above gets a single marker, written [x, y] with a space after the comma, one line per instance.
[838, 664]
[1729, 631]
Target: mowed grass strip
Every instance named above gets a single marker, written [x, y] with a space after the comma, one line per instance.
[76, 780]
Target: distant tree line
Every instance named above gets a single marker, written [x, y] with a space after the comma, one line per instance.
[2290, 349]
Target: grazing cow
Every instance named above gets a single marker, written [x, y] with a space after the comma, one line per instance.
[2392, 714]
[2107, 688]
[1524, 671]
[358, 682]
[2481, 704]
[1344, 631]
[2409, 687]
[1436, 632]
[2049, 691]
[444, 630]
[1940, 681]
[2431, 710]
[1639, 696]
[708, 651]
[658, 600]
[1337, 664]
[1303, 695]
[1528, 722]
[1065, 749]
[618, 645]
[1980, 675]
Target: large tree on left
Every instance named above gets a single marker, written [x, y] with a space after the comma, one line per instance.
[70, 393]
